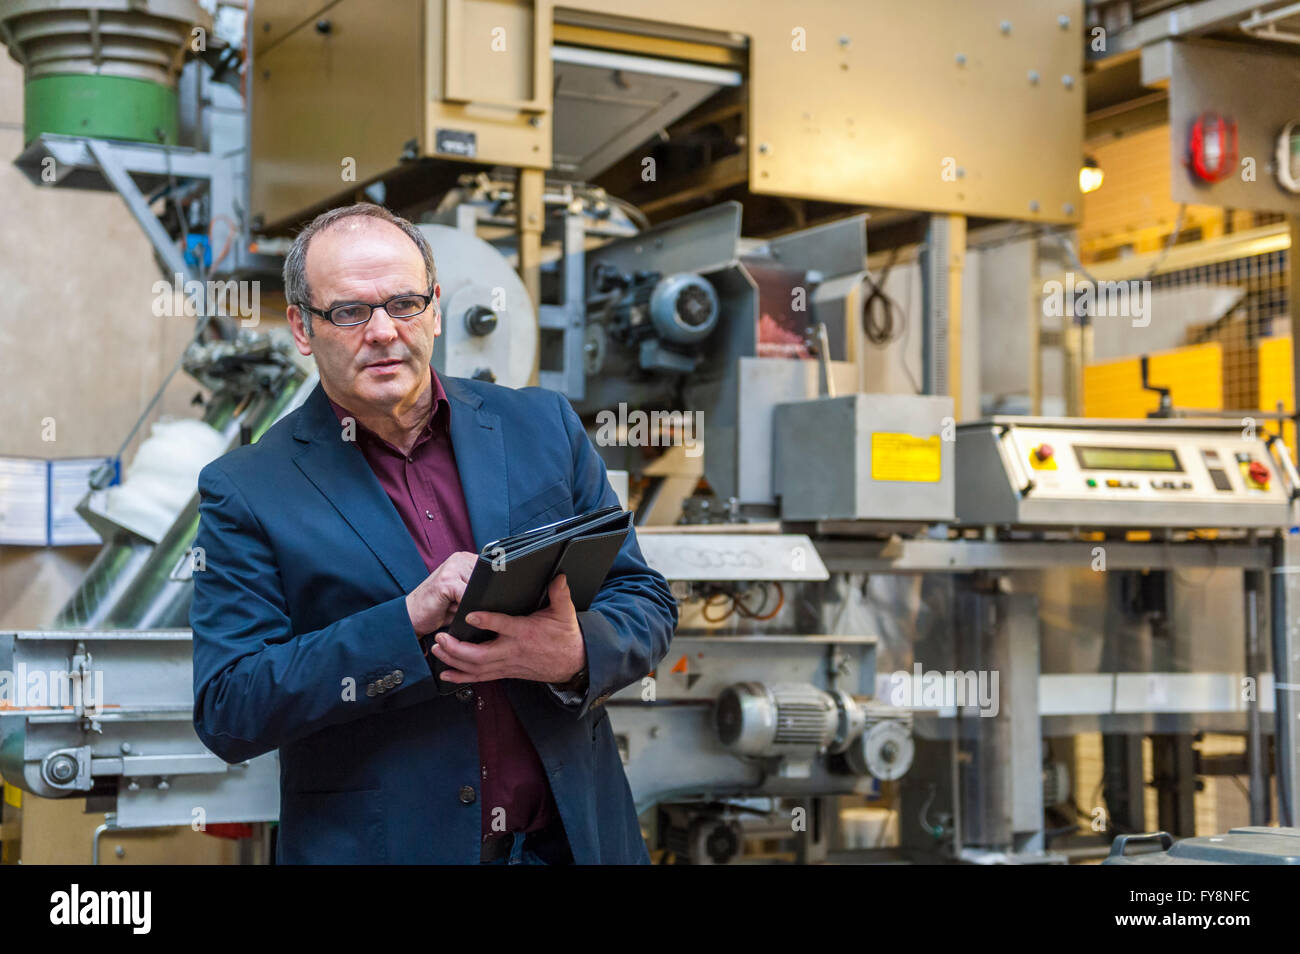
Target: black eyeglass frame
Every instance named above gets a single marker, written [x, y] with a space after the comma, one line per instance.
[427, 299]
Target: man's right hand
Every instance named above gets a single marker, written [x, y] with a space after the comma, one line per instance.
[434, 602]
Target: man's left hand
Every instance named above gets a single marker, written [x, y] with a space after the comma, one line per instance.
[545, 646]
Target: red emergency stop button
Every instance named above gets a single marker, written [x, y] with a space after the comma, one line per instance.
[1259, 473]
[1043, 451]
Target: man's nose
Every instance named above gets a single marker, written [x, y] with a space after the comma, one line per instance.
[381, 327]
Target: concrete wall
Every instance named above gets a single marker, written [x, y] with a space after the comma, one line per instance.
[79, 343]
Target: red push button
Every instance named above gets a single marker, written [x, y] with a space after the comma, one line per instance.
[1259, 473]
[1043, 451]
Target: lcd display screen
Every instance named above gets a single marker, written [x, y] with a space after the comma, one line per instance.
[1127, 458]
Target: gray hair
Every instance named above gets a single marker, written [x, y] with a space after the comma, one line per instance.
[296, 289]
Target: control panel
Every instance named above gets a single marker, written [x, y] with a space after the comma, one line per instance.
[1083, 472]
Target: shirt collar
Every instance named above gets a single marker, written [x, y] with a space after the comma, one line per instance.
[438, 417]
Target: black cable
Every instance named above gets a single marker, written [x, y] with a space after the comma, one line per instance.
[887, 325]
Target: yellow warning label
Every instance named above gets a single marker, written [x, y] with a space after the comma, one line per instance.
[13, 796]
[904, 457]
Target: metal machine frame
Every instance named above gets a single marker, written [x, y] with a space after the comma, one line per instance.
[979, 779]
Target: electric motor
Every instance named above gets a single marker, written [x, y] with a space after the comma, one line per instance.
[684, 308]
[795, 721]
[656, 322]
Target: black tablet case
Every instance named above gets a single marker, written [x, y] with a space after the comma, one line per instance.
[583, 548]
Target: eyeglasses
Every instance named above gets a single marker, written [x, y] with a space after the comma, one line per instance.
[358, 313]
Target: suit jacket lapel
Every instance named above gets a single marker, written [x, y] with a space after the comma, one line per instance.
[480, 447]
[340, 471]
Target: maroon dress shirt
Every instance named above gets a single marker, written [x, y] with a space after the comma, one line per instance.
[426, 490]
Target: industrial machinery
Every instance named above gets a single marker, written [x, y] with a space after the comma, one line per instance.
[1102, 474]
[832, 548]
[1050, 503]
[885, 460]
[573, 89]
[109, 708]
[714, 728]
[681, 317]
[489, 330]
[104, 68]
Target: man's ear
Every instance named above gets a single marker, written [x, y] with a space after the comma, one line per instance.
[437, 309]
[300, 336]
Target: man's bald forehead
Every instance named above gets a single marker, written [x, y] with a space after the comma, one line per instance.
[357, 226]
[343, 229]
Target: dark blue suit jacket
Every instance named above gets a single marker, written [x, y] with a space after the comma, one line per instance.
[301, 604]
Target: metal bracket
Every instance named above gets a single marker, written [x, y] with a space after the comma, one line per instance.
[81, 162]
[571, 317]
[118, 177]
[1282, 458]
[79, 671]
[1024, 483]
[68, 769]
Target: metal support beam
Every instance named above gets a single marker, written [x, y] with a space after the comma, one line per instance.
[570, 316]
[530, 199]
[1002, 751]
[117, 176]
[1172, 756]
[1286, 675]
[1174, 777]
[1122, 783]
[1018, 623]
[1183, 20]
[1034, 304]
[1127, 647]
[943, 263]
[1293, 302]
[812, 847]
[1256, 746]
[86, 163]
[969, 556]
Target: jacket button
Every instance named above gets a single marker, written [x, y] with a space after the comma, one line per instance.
[398, 676]
[465, 694]
[467, 795]
[389, 681]
[370, 689]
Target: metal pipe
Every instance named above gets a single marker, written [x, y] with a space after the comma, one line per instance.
[110, 824]
[1286, 676]
[1263, 25]
[1259, 789]
[532, 219]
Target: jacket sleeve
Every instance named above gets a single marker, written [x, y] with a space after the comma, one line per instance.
[257, 684]
[631, 621]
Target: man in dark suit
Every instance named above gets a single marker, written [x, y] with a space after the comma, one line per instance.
[348, 532]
